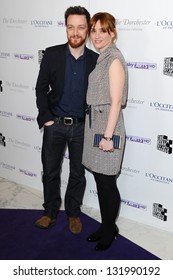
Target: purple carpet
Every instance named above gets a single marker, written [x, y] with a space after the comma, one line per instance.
[21, 240]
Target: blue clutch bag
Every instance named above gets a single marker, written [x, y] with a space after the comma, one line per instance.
[115, 138]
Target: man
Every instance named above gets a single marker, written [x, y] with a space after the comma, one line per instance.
[60, 95]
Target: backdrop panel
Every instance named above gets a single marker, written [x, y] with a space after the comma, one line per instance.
[145, 32]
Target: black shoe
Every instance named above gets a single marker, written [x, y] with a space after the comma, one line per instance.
[106, 244]
[93, 237]
[96, 236]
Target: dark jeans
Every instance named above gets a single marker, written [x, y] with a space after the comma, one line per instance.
[55, 139]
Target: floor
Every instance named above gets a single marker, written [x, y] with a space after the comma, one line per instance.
[158, 242]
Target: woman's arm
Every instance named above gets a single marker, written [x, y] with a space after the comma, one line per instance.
[116, 79]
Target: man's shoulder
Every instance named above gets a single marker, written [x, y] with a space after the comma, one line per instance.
[91, 53]
[56, 48]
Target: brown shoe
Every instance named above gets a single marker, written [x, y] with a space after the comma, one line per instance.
[75, 225]
[45, 222]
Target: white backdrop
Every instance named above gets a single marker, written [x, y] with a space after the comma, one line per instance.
[145, 36]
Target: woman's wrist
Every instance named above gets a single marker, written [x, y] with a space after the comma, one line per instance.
[107, 138]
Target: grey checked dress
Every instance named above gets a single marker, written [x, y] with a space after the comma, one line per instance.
[98, 96]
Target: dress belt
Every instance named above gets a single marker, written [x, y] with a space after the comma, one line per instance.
[88, 112]
[68, 120]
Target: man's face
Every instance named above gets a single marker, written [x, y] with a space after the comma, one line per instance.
[77, 30]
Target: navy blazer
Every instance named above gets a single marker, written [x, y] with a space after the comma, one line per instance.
[50, 81]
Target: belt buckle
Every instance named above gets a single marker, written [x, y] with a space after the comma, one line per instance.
[68, 121]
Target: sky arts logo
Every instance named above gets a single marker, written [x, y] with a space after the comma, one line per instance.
[165, 24]
[24, 56]
[138, 139]
[42, 23]
[161, 106]
[93, 192]
[61, 23]
[164, 144]
[168, 66]
[142, 65]
[159, 178]
[25, 118]
[28, 173]
[159, 212]
[134, 204]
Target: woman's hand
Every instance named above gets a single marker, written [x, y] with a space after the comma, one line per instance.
[106, 146]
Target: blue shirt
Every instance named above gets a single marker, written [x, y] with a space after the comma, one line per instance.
[73, 97]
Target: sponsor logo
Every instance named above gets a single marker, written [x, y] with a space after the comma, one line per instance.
[164, 144]
[37, 148]
[133, 25]
[93, 192]
[13, 86]
[1, 88]
[2, 140]
[25, 118]
[138, 139]
[40, 55]
[27, 173]
[133, 103]
[165, 24]
[23, 56]
[159, 212]
[4, 55]
[14, 23]
[66, 155]
[42, 23]
[168, 66]
[18, 143]
[134, 204]
[7, 166]
[161, 106]
[61, 23]
[64, 184]
[5, 114]
[142, 65]
[129, 171]
[159, 178]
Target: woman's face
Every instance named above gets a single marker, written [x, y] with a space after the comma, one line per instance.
[101, 39]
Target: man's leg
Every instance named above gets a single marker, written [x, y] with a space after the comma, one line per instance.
[52, 155]
[77, 182]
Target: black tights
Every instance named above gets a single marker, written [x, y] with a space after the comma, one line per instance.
[109, 202]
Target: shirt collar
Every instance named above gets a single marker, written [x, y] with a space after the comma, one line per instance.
[68, 53]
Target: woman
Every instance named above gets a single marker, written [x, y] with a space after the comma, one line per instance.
[106, 96]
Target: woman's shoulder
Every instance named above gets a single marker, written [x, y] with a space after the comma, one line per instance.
[116, 52]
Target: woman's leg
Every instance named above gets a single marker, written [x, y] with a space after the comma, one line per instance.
[109, 202]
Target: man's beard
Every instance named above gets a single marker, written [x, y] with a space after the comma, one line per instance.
[76, 44]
